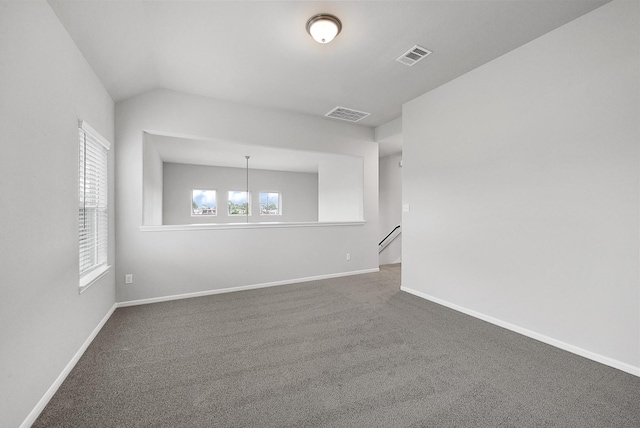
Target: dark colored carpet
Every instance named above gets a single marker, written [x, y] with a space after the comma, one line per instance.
[345, 352]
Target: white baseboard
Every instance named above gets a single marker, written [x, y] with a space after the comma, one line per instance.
[532, 334]
[31, 418]
[240, 288]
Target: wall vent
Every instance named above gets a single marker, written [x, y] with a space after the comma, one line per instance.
[348, 114]
[413, 55]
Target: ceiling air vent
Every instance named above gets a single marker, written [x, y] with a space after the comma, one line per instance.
[413, 55]
[348, 114]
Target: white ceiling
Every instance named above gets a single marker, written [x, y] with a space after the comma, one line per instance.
[232, 155]
[258, 52]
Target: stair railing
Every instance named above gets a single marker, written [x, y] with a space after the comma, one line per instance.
[388, 239]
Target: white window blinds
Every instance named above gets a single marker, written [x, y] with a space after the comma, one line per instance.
[92, 211]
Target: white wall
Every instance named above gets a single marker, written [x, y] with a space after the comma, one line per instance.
[389, 137]
[340, 189]
[523, 182]
[153, 185]
[45, 87]
[298, 193]
[390, 197]
[166, 263]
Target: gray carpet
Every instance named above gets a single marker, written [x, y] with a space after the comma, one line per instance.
[345, 352]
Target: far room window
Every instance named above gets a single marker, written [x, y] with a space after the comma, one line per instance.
[239, 203]
[93, 218]
[270, 203]
[203, 202]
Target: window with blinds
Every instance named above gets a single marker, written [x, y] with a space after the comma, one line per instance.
[92, 197]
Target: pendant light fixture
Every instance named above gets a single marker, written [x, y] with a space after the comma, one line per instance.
[324, 27]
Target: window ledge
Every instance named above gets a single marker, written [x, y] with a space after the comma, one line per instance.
[262, 225]
[92, 277]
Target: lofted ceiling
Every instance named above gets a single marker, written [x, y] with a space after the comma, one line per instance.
[232, 154]
[258, 52]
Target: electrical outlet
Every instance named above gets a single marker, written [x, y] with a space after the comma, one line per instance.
[348, 256]
[128, 279]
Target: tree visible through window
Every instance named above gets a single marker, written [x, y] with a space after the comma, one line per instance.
[270, 203]
[203, 202]
[239, 204]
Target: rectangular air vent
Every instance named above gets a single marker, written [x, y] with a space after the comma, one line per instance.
[413, 55]
[348, 114]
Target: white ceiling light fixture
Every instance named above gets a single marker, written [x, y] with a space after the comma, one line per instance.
[324, 27]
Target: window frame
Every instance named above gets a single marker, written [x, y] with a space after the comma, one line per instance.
[279, 213]
[93, 177]
[248, 203]
[216, 202]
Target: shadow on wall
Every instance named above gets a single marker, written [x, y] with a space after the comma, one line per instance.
[222, 166]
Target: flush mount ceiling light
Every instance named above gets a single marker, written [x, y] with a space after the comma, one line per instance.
[323, 27]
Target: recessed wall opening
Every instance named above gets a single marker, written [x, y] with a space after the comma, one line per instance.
[188, 180]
